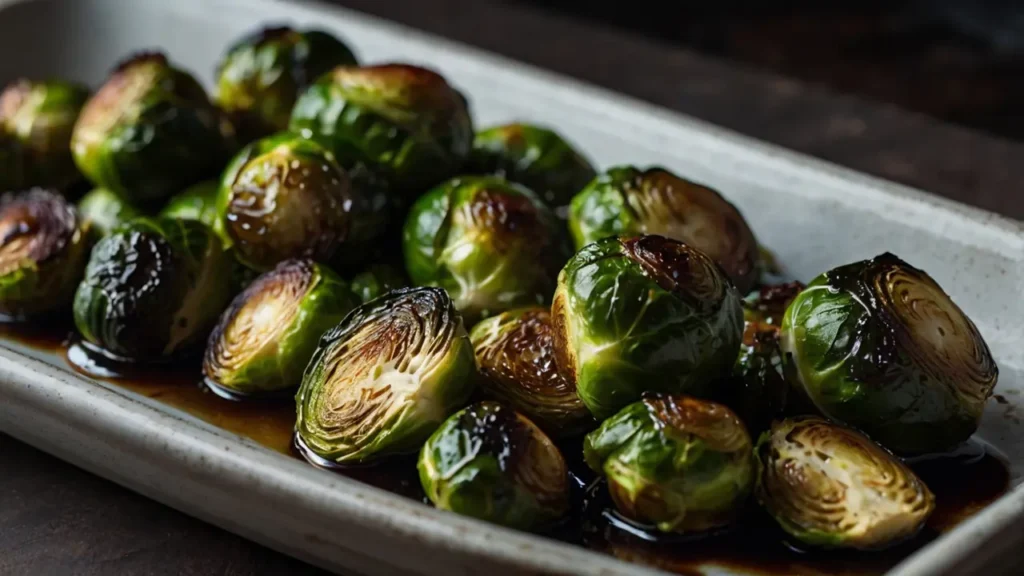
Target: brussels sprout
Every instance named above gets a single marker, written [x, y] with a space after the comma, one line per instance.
[493, 245]
[149, 132]
[644, 313]
[515, 355]
[377, 280]
[385, 378]
[681, 464]
[198, 202]
[878, 345]
[152, 288]
[43, 249]
[489, 462]
[767, 305]
[756, 390]
[38, 117]
[262, 75]
[830, 486]
[105, 210]
[626, 201]
[267, 335]
[285, 197]
[404, 121]
[534, 156]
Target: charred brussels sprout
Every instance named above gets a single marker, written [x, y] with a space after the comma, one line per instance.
[385, 378]
[106, 210]
[515, 355]
[43, 249]
[377, 280]
[534, 156]
[644, 313]
[149, 132]
[262, 75]
[198, 202]
[878, 345]
[767, 305]
[493, 245]
[38, 118]
[626, 201]
[756, 390]
[152, 288]
[403, 121]
[267, 335]
[829, 486]
[681, 464]
[491, 463]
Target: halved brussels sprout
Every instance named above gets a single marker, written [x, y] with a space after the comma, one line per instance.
[39, 118]
[377, 280]
[627, 201]
[515, 354]
[767, 305]
[404, 121]
[43, 249]
[644, 313]
[285, 197]
[197, 202]
[493, 245]
[489, 462]
[263, 74]
[681, 464]
[152, 288]
[830, 486]
[878, 345]
[149, 132]
[105, 210]
[385, 378]
[269, 332]
[534, 156]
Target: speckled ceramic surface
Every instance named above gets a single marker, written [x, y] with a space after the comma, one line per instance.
[812, 214]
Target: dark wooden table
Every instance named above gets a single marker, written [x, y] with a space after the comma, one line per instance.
[57, 519]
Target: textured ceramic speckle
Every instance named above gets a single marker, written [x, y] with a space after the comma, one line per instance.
[812, 214]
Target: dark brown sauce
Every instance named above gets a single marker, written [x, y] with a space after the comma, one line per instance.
[964, 481]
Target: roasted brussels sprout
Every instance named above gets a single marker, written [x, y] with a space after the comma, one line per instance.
[489, 462]
[493, 245]
[149, 132]
[385, 378]
[152, 288]
[757, 389]
[262, 75]
[767, 305]
[106, 210]
[643, 313]
[285, 197]
[878, 345]
[681, 464]
[267, 335]
[534, 156]
[38, 118]
[377, 280]
[401, 120]
[830, 486]
[626, 201]
[515, 355]
[43, 249]
[198, 202]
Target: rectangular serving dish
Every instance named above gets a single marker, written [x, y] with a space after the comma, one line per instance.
[812, 214]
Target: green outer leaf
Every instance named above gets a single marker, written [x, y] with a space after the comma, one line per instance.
[600, 210]
[377, 280]
[198, 202]
[106, 210]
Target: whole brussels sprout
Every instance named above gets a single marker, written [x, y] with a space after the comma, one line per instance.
[767, 305]
[681, 464]
[43, 249]
[404, 121]
[756, 390]
[489, 462]
[627, 201]
[385, 378]
[39, 117]
[878, 345]
[269, 332]
[534, 156]
[105, 210]
[493, 245]
[515, 354]
[197, 202]
[829, 486]
[262, 75]
[377, 280]
[149, 132]
[643, 313]
[152, 288]
[285, 197]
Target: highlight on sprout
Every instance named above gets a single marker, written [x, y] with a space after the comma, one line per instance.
[197, 202]
[105, 210]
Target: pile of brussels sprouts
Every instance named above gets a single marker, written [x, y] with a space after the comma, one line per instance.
[334, 231]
